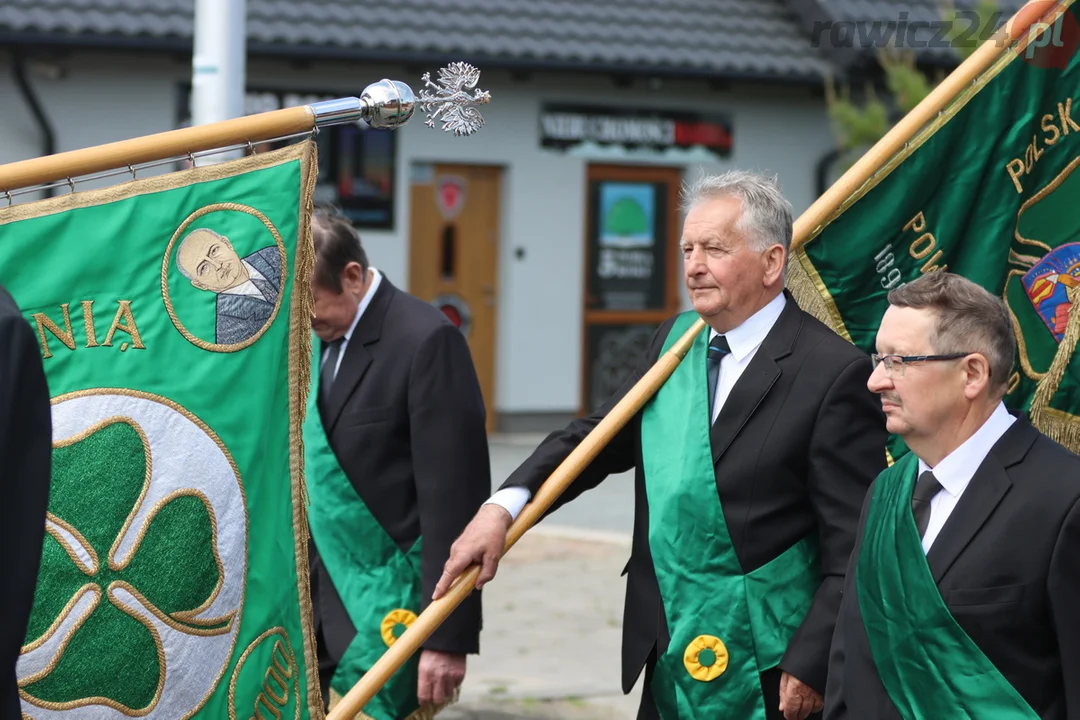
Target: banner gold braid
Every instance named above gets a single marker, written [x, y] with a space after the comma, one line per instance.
[812, 221]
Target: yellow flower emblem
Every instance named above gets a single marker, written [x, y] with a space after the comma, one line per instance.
[395, 623]
[706, 658]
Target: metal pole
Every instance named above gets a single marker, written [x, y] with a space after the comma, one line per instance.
[219, 64]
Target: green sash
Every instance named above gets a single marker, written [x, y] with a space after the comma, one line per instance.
[378, 584]
[726, 627]
[929, 666]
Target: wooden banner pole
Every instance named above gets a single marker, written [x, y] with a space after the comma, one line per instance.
[810, 221]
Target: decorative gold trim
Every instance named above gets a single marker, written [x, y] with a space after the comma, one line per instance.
[60, 617]
[239, 482]
[1021, 344]
[1025, 261]
[156, 184]
[109, 702]
[188, 616]
[243, 658]
[166, 261]
[1050, 187]
[95, 564]
[302, 310]
[1066, 433]
[169, 620]
[812, 295]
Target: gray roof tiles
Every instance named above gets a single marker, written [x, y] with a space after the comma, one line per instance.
[759, 38]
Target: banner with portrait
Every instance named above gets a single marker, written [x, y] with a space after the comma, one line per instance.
[173, 314]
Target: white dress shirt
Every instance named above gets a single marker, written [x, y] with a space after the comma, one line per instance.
[247, 287]
[744, 342]
[364, 302]
[956, 469]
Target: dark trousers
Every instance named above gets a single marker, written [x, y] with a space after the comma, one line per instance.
[770, 690]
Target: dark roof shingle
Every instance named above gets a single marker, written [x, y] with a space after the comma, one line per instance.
[755, 38]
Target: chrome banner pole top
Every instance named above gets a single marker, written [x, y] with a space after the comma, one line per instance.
[389, 104]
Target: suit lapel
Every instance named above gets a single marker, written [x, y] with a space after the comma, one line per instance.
[358, 357]
[983, 494]
[757, 379]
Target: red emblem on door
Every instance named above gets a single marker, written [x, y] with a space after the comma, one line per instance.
[450, 195]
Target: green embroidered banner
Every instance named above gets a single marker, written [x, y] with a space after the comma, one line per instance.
[988, 191]
[173, 316]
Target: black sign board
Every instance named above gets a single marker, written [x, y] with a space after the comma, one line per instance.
[564, 126]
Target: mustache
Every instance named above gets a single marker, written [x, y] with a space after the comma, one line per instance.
[892, 399]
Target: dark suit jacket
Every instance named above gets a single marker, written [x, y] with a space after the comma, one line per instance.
[25, 462]
[796, 444]
[406, 422]
[240, 317]
[1007, 563]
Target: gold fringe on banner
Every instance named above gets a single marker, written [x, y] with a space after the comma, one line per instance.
[1061, 427]
[303, 307]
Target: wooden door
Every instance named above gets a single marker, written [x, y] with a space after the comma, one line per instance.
[453, 256]
[633, 270]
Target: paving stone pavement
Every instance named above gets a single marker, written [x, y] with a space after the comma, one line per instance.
[552, 632]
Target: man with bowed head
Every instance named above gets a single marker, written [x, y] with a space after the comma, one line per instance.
[751, 463]
[961, 595]
[396, 461]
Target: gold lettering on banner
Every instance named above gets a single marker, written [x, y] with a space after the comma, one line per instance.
[924, 245]
[275, 689]
[1048, 126]
[65, 336]
[88, 323]
[265, 703]
[129, 326]
[1055, 128]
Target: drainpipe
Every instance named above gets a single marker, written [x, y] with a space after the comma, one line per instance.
[48, 137]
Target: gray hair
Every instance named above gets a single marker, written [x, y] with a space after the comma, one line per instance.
[968, 320]
[767, 215]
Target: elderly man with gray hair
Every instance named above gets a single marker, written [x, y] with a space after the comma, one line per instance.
[751, 464]
[961, 595]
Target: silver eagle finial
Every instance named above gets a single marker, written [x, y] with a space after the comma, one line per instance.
[452, 100]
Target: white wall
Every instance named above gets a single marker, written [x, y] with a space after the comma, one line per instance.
[104, 97]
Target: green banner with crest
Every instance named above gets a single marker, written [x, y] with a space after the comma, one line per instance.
[173, 316]
[988, 191]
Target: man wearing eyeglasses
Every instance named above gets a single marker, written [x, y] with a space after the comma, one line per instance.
[960, 598]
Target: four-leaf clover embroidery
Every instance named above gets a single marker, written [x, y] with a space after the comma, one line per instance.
[95, 604]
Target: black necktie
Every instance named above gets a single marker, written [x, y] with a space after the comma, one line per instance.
[926, 488]
[329, 369]
[718, 348]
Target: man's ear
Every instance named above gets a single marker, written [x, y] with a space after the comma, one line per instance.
[774, 259]
[977, 374]
[353, 277]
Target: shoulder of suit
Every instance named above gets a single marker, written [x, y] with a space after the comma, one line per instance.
[1062, 465]
[413, 315]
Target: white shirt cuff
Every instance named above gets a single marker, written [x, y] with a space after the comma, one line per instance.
[511, 499]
